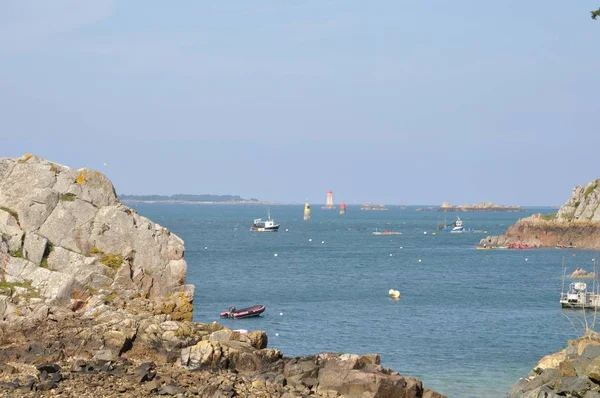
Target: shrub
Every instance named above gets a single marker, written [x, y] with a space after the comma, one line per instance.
[113, 261]
[548, 217]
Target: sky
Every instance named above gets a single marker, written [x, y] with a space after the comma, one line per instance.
[391, 102]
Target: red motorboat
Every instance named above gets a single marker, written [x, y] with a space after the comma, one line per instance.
[244, 312]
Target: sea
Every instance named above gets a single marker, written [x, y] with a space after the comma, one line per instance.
[469, 322]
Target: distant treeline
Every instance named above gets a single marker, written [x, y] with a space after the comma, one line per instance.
[187, 198]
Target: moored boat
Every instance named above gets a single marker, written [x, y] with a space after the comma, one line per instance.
[386, 232]
[268, 225]
[244, 312]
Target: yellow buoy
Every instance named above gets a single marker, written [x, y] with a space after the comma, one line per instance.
[306, 211]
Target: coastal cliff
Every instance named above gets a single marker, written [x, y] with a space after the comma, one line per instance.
[94, 302]
[577, 223]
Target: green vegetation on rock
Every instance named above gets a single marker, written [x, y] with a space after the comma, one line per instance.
[113, 261]
[9, 287]
[18, 253]
[47, 251]
[68, 197]
[549, 217]
[596, 14]
[590, 189]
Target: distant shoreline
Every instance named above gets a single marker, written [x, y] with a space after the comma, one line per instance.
[193, 202]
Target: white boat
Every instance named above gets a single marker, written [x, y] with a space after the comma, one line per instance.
[458, 226]
[267, 225]
[386, 232]
[578, 296]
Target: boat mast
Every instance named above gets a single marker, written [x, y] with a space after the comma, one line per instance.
[564, 276]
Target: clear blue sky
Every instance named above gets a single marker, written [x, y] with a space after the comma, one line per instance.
[389, 101]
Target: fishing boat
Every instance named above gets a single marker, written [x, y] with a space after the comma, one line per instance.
[244, 312]
[386, 232]
[458, 226]
[578, 296]
[267, 225]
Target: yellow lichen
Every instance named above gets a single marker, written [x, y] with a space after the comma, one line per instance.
[81, 177]
[25, 157]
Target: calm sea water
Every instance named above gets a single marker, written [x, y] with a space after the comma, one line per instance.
[469, 323]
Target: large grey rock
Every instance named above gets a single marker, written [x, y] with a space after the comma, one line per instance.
[69, 225]
[7, 219]
[98, 243]
[35, 208]
[34, 247]
[13, 236]
[28, 174]
[86, 270]
[87, 185]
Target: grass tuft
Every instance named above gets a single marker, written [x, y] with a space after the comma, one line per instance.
[68, 197]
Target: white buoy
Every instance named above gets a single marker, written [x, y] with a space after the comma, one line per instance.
[526, 259]
[394, 293]
[310, 240]
[419, 260]
[433, 233]
[322, 241]
[275, 255]
[286, 230]
[424, 232]
[276, 334]
[205, 247]
[281, 314]
[391, 254]
[401, 247]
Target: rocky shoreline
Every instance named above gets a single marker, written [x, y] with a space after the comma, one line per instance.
[571, 372]
[576, 224]
[94, 302]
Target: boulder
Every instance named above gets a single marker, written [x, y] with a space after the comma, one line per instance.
[34, 247]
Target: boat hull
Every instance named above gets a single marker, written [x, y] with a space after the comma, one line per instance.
[263, 229]
[244, 312]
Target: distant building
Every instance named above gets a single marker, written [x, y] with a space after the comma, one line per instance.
[329, 202]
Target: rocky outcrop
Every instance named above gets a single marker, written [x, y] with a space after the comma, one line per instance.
[576, 224]
[93, 301]
[571, 372]
[67, 236]
[484, 206]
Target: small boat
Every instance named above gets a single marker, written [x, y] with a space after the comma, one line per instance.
[578, 296]
[267, 225]
[386, 232]
[569, 246]
[485, 247]
[244, 312]
[458, 226]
